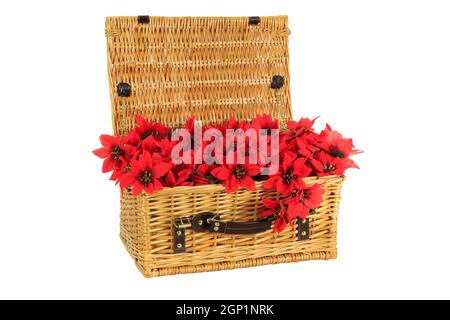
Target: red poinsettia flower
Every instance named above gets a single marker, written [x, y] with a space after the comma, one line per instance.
[302, 201]
[280, 224]
[339, 147]
[115, 152]
[312, 196]
[301, 138]
[145, 174]
[146, 129]
[281, 210]
[272, 208]
[142, 160]
[301, 127]
[304, 146]
[234, 176]
[295, 209]
[119, 172]
[326, 165]
[278, 209]
[162, 147]
[290, 176]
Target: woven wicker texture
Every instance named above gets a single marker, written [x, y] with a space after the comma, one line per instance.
[208, 67]
[147, 222]
[211, 68]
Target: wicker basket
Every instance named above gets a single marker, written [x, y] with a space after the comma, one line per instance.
[168, 69]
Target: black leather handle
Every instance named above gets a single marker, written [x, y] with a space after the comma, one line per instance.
[229, 227]
[208, 221]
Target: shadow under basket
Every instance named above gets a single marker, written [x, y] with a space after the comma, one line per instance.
[168, 69]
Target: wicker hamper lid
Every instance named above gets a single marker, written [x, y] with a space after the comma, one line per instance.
[170, 68]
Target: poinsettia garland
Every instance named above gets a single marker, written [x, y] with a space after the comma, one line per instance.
[142, 161]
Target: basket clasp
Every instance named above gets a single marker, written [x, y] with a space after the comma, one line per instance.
[182, 223]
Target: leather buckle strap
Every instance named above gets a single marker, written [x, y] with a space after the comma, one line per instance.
[182, 223]
[210, 222]
[230, 227]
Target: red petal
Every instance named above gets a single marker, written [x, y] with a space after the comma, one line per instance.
[293, 211]
[149, 189]
[140, 121]
[280, 224]
[271, 204]
[203, 169]
[292, 125]
[317, 165]
[161, 129]
[247, 183]
[145, 162]
[157, 185]
[283, 188]
[221, 173]
[298, 164]
[231, 185]
[117, 173]
[349, 163]
[137, 189]
[301, 169]
[132, 138]
[252, 170]
[324, 158]
[148, 143]
[160, 169]
[108, 141]
[102, 152]
[271, 182]
[304, 212]
[298, 184]
[127, 180]
[266, 213]
[169, 180]
[288, 159]
[108, 165]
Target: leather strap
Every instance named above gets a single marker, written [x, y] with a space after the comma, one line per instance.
[229, 227]
[210, 222]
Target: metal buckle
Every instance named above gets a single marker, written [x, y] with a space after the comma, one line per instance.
[213, 219]
[215, 223]
[182, 223]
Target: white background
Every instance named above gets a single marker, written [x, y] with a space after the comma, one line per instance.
[379, 71]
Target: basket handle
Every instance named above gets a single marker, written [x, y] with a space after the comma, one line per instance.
[210, 222]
